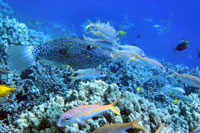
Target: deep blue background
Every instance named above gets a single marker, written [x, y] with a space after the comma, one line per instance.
[183, 17]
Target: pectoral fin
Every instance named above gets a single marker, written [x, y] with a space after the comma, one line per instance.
[81, 122]
[72, 81]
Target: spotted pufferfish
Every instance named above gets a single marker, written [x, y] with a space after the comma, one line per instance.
[77, 53]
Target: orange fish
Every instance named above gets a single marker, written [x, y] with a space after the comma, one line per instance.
[187, 79]
[119, 128]
[84, 112]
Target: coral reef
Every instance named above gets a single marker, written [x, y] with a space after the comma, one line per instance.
[5, 9]
[42, 92]
[130, 105]
[15, 33]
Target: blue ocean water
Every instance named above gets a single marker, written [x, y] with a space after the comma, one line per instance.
[180, 20]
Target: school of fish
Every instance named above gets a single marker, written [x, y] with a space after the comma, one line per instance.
[99, 44]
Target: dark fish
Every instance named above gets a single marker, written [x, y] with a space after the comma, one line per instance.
[77, 53]
[138, 36]
[198, 52]
[183, 44]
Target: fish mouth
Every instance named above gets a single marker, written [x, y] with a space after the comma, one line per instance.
[59, 124]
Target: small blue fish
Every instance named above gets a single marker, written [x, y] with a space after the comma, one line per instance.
[84, 74]
[170, 89]
[184, 98]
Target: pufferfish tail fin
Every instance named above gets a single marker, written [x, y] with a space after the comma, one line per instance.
[20, 57]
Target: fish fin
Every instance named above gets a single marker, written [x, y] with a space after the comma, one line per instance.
[159, 130]
[133, 58]
[52, 63]
[85, 38]
[20, 57]
[11, 88]
[81, 122]
[89, 25]
[138, 56]
[173, 74]
[135, 124]
[116, 55]
[114, 109]
[73, 79]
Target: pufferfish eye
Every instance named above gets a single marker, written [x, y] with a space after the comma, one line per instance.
[88, 47]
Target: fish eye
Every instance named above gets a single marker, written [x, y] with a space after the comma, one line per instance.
[66, 119]
[88, 47]
[62, 51]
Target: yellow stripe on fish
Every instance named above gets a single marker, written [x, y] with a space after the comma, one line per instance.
[81, 113]
[120, 128]
[111, 106]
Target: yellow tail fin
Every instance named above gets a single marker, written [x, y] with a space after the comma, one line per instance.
[135, 124]
[116, 54]
[114, 109]
[73, 79]
[160, 129]
[12, 88]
